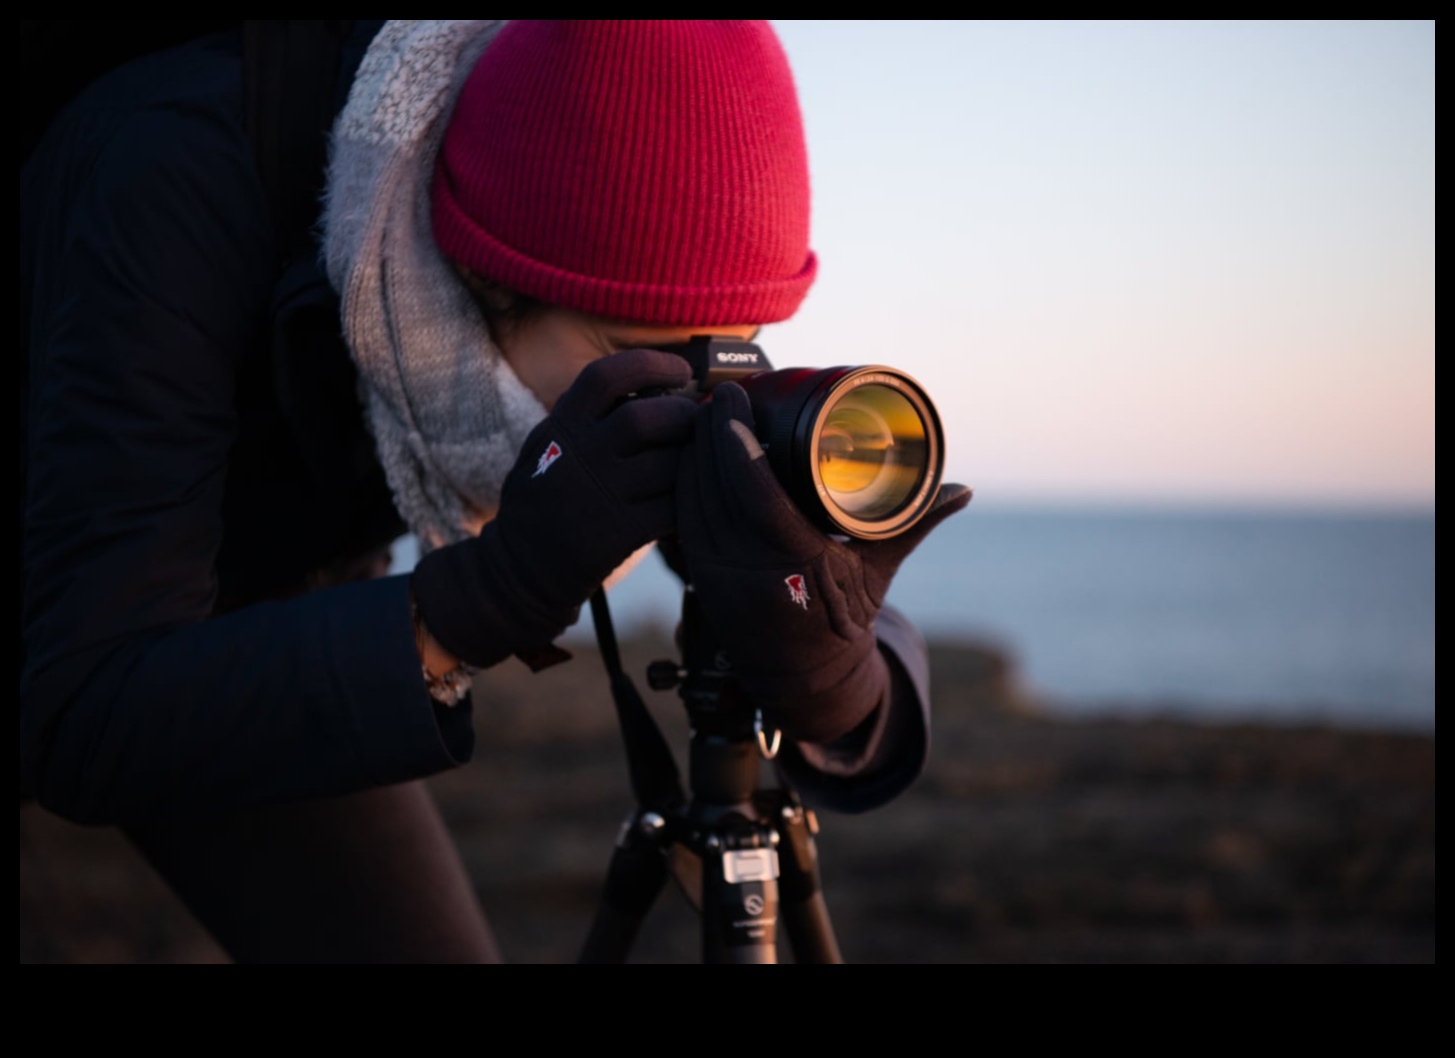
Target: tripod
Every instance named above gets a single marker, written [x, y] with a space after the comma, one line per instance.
[746, 854]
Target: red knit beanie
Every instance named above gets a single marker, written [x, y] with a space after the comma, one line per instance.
[653, 171]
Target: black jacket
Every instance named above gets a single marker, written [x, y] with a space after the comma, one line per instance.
[193, 456]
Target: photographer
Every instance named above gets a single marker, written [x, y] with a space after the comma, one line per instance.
[221, 437]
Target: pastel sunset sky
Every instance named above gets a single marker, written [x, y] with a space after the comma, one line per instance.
[1135, 262]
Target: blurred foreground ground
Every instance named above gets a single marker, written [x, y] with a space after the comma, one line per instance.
[1028, 840]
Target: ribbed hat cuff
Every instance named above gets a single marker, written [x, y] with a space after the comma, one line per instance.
[462, 240]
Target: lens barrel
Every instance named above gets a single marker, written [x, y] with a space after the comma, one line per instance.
[859, 449]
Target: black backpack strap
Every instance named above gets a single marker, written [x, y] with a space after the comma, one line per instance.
[293, 71]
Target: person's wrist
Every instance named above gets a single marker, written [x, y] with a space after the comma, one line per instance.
[437, 661]
[447, 680]
[470, 598]
[453, 601]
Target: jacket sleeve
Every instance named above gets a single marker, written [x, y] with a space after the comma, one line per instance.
[873, 765]
[151, 274]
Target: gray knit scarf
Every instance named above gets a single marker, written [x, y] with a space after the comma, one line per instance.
[448, 414]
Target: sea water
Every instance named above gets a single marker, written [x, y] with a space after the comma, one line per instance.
[1221, 615]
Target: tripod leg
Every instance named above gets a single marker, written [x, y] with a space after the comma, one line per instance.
[635, 879]
[805, 913]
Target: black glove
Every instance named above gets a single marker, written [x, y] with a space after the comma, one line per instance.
[793, 609]
[593, 484]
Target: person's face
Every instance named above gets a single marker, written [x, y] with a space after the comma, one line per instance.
[549, 349]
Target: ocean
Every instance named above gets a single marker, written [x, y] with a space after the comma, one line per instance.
[1225, 616]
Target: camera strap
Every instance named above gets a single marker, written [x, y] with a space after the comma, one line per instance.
[655, 780]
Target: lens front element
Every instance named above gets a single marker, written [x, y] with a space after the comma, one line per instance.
[876, 451]
[872, 452]
[860, 450]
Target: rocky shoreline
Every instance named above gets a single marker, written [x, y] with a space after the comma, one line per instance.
[1030, 838]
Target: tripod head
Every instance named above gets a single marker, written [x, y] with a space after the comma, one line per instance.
[728, 734]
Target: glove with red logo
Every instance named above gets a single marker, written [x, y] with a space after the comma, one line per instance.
[594, 484]
[793, 608]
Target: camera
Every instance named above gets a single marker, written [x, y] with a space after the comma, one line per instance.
[860, 450]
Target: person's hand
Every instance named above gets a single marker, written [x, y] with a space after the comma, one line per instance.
[793, 608]
[594, 483]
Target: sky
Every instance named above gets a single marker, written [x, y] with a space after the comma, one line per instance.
[1135, 262]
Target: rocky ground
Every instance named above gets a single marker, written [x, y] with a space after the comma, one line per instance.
[1029, 839]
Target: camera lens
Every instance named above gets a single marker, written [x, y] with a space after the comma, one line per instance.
[872, 452]
[859, 449]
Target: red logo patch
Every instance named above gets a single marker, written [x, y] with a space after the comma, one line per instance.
[548, 459]
[798, 590]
